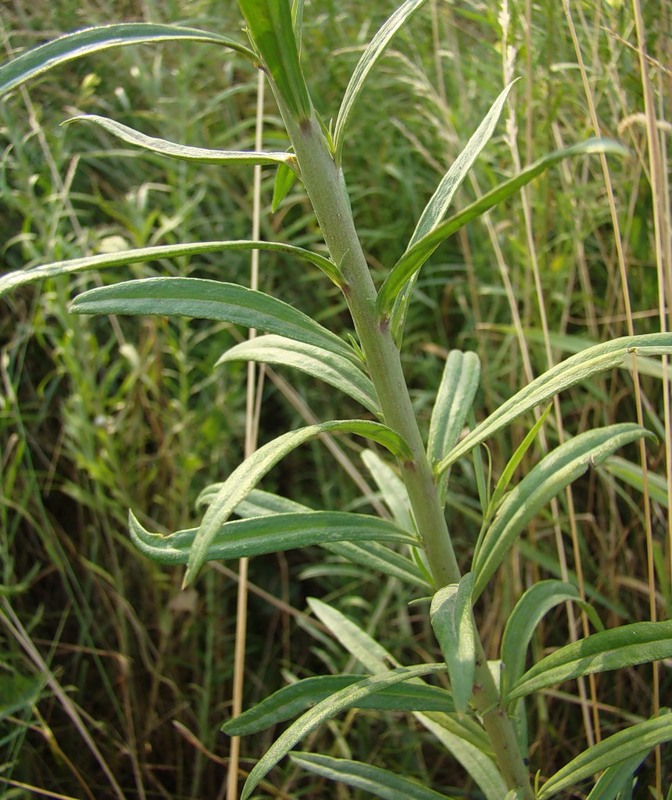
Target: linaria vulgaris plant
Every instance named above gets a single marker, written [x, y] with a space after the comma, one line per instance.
[481, 719]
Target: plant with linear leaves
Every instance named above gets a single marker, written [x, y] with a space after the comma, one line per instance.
[481, 718]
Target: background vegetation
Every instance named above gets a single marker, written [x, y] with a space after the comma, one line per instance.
[113, 682]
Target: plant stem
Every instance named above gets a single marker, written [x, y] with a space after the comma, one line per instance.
[327, 193]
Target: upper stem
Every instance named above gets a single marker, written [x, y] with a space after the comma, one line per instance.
[330, 202]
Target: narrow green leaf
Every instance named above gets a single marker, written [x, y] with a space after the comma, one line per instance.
[272, 32]
[567, 373]
[12, 280]
[374, 780]
[454, 399]
[512, 466]
[200, 155]
[216, 300]
[452, 621]
[547, 479]
[370, 653]
[411, 261]
[257, 503]
[243, 479]
[327, 709]
[632, 474]
[285, 178]
[625, 646]
[373, 52]
[478, 763]
[628, 744]
[38, 60]
[294, 699]
[615, 779]
[437, 207]
[528, 612]
[272, 533]
[315, 360]
[379, 558]
[392, 489]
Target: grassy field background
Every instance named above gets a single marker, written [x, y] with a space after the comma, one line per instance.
[113, 682]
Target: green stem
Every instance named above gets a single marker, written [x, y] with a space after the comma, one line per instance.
[330, 202]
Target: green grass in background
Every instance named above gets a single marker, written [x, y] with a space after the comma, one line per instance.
[100, 415]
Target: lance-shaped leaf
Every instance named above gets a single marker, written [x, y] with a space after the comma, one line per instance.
[452, 621]
[12, 280]
[371, 55]
[243, 479]
[327, 709]
[411, 261]
[272, 533]
[615, 779]
[330, 367]
[216, 300]
[392, 489]
[547, 479]
[624, 646]
[378, 558]
[454, 401]
[622, 746]
[38, 60]
[373, 780]
[294, 699]
[560, 377]
[528, 612]
[200, 155]
[272, 32]
[437, 207]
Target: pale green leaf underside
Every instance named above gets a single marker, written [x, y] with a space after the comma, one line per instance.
[392, 489]
[268, 534]
[200, 155]
[297, 697]
[547, 479]
[452, 622]
[567, 373]
[374, 780]
[413, 259]
[454, 400]
[206, 299]
[38, 60]
[624, 646]
[528, 612]
[138, 255]
[627, 744]
[327, 709]
[373, 52]
[245, 477]
[314, 360]
[378, 558]
[475, 761]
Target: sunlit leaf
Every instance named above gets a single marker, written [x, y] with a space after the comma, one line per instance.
[411, 261]
[373, 52]
[567, 373]
[630, 743]
[205, 299]
[328, 366]
[38, 60]
[271, 29]
[200, 155]
[327, 709]
[294, 699]
[543, 482]
[271, 533]
[245, 477]
[625, 646]
[376, 557]
[452, 621]
[454, 400]
[373, 780]
[121, 258]
[392, 489]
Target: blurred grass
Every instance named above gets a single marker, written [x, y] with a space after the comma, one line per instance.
[100, 415]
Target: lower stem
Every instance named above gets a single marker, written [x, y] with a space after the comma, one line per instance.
[329, 199]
